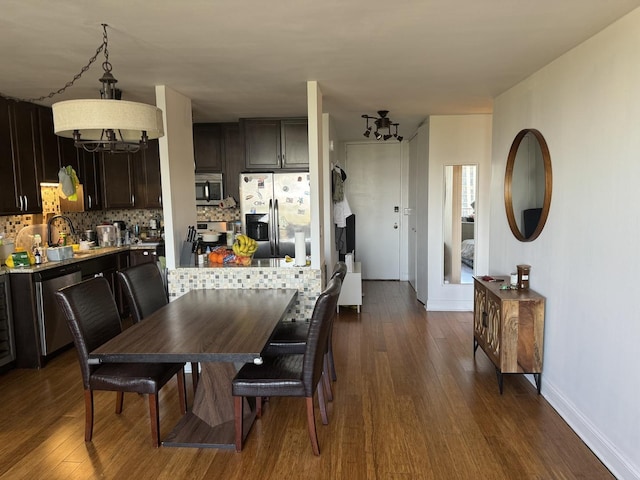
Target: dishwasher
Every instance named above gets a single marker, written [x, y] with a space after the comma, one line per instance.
[54, 332]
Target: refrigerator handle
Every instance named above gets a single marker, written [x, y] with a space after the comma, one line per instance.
[272, 236]
[276, 227]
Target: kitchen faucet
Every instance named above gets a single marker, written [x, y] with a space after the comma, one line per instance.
[50, 222]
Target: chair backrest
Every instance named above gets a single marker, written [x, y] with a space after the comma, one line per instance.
[340, 270]
[143, 288]
[319, 327]
[92, 316]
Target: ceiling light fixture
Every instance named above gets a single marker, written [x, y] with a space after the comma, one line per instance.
[107, 124]
[382, 122]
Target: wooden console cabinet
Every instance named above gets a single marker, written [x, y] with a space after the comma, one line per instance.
[509, 327]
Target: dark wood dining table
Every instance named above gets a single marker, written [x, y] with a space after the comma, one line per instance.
[222, 329]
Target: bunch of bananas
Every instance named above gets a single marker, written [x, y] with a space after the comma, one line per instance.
[244, 246]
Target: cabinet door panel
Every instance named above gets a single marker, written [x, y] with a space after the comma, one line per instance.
[8, 192]
[262, 144]
[89, 176]
[207, 148]
[233, 160]
[147, 167]
[295, 144]
[117, 180]
[26, 151]
[49, 158]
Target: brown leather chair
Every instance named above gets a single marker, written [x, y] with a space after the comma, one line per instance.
[291, 337]
[92, 316]
[295, 375]
[144, 290]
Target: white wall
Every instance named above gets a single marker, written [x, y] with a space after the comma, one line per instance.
[587, 105]
[455, 140]
[177, 170]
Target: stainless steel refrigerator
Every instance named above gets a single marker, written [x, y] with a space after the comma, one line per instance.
[274, 206]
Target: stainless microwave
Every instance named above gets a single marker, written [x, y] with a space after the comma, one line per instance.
[208, 189]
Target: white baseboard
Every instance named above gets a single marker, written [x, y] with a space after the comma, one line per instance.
[621, 467]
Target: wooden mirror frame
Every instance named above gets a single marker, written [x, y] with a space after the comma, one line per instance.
[508, 181]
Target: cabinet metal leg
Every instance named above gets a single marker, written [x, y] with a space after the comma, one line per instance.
[475, 346]
[538, 378]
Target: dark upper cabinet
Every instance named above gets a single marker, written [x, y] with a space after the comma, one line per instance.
[294, 135]
[233, 159]
[218, 148]
[262, 143]
[26, 154]
[117, 180]
[89, 174]
[8, 192]
[207, 148]
[148, 187]
[49, 156]
[272, 144]
[131, 180]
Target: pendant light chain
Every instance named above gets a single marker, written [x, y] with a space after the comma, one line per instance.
[102, 47]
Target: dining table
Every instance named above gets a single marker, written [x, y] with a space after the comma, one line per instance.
[220, 328]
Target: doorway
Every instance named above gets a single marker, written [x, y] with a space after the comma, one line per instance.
[373, 191]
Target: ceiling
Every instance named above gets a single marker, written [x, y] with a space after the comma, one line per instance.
[251, 58]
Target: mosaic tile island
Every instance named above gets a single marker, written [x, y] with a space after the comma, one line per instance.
[306, 280]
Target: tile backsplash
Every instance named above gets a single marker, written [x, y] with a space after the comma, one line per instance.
[11, 225]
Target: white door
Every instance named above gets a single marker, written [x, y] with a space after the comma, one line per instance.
[409, 214]
[373, 191]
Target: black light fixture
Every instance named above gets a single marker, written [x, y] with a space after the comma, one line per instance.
[367, 132]
[382, 122]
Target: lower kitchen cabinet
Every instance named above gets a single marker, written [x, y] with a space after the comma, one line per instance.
[509, 327]
[138, 256]
[7, 344]
[40, 329]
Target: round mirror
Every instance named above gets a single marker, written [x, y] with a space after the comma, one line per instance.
[527, 185]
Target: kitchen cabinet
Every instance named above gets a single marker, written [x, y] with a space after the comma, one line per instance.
[49, 155]
[21, 151]
[89, 174]
[272, 144]
[207, 147]
[117, 180]
[131, 180]
[7, 345]
[509, 327]
[148, 187]
[8, 204]
[31, 299]
[233, 152]
[142, 255]
[218, 148]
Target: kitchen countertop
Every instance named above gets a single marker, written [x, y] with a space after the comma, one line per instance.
[79, 256]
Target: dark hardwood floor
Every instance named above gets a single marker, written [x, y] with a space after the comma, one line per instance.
[411, 402]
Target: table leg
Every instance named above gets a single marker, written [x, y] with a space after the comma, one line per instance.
[210, 423]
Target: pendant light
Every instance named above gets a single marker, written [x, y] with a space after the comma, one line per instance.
[382, 122]
[107, 124]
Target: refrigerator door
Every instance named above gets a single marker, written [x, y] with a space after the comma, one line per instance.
[256, 211]
[291, 192]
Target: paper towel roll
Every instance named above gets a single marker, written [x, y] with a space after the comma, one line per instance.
[301, 250]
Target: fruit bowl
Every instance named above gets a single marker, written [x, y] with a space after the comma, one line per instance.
[244, 247]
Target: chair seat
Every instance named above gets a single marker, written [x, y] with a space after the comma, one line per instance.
[288, 338]
[133, 377]
[277, 376]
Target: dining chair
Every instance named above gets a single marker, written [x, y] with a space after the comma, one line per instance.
[297, 375]
[93, 318]
[145, 292]
[291, 337]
